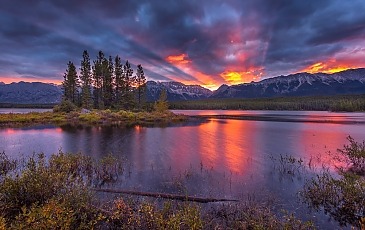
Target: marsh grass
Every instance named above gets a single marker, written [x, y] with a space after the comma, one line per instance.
[251, 214]
[291, 165]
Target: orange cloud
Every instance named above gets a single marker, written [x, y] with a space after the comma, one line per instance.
[183, 62]
[178, 59]
[331, 66]
[232, 75]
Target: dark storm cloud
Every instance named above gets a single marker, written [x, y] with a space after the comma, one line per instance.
[305, 31]
[38, 38]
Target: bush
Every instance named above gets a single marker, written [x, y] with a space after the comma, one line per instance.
[355, 155]
[65, 106]
[343, 197]
[6, 165]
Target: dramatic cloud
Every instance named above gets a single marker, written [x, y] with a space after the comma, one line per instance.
[206, 42]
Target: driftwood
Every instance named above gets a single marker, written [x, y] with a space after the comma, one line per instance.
[165, 196]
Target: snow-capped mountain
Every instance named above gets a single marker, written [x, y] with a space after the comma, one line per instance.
[30, 93]
[176, 91]
[43, 93]
[300, 84]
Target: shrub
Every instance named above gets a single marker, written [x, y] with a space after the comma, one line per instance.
[355, 154]
[342, 197]
[65, 106]
[92, 117]
[6, 164]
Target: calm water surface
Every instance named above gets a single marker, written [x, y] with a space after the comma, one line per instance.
[216, 157]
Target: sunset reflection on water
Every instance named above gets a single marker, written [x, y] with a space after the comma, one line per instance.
[209, 157]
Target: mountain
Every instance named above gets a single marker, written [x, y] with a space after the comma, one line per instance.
[176, 91]
[301, 84]
[30, 93]
[43, 93]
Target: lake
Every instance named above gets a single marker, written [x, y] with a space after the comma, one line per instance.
[222, 158]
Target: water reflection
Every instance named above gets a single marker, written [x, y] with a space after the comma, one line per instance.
[214, 157]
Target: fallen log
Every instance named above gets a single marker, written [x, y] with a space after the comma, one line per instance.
[165, 196]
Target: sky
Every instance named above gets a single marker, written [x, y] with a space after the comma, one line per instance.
[206, 42]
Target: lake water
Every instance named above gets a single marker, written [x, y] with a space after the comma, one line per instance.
[222, 158]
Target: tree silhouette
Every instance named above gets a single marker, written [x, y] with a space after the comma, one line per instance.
[140, 84]
[85, 81]
[71, 84]
[98, 81]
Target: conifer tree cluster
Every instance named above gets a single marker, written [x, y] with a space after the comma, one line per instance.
[104, 83]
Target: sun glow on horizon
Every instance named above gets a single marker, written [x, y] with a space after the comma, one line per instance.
[239, 77]
[183, 62]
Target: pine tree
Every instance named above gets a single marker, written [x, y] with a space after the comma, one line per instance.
[86, 80]
[71, 84]
[162, 105]
[108, 69]
[140, 85]
[128, 102]
[98, 81]
[119, 81]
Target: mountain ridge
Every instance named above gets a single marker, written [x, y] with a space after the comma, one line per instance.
[350, 81]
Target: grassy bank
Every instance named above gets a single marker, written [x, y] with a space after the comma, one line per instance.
[347, 103]
[97, 117]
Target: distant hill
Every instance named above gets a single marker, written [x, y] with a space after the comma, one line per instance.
[30, 93]
[301, 84]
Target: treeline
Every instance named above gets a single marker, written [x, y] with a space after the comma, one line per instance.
[26, 106]
[347, 103]
[104, 83]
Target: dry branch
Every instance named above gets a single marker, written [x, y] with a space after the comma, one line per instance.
[165, 196]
